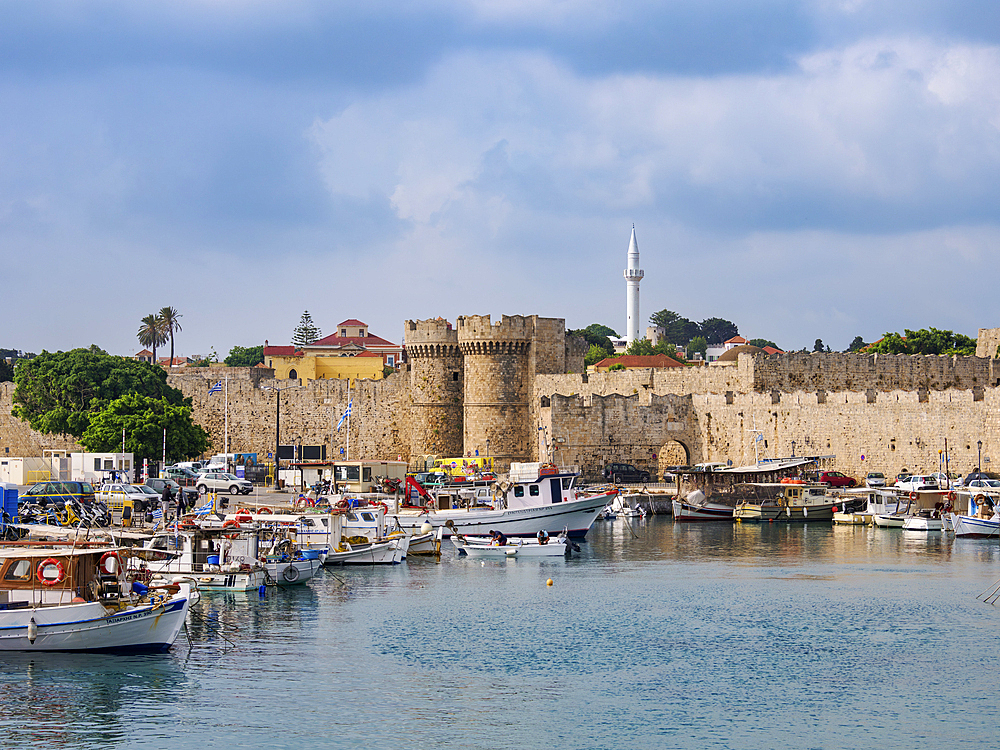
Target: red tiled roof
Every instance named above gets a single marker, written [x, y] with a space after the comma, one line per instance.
[645, 360]
[370, 354]
[144, 353]
[736, 340]
[772, 350]
[281, 351]
[366, 341]
[352, 322]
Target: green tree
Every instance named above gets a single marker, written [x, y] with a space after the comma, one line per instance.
[595, 355]
[597, 335]
[818, 345]
[6, 371]
[698, 345]
[761, 343]
[676, 329]
[58, 392]
[144, 419]
[640, 347]
[170, 320]
[925, 341]
[152, 333]
[717, 330]
[857, 345]
[245, 356]
[617, 367]
[306, 332]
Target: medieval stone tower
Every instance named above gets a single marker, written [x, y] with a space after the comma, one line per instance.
[497, 385]
[471, 386]
[437, 383]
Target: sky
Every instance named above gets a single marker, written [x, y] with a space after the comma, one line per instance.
[804, 168]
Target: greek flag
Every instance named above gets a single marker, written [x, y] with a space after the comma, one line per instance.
[205, 509]
[158, 517]
[347, 413]
[217, 388]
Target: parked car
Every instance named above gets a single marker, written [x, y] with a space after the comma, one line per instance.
[980, 475]
[184, 477]
[158, 483]
[836, 479]
[57, 493]
[875, 479]
[619, 473]
[987, 485]
[220, 481]
[917, 482]
[121, 491]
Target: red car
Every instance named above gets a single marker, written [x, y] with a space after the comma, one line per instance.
[836, 479]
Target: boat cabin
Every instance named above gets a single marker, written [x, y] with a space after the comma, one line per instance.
[39, 576]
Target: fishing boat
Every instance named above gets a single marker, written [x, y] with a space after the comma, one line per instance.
[792, 503]
[479, 546]
[859, 507]
[532, 499]
[982, 520]
[67, 598]
[695, 507]
[362, 552]
[216, 559]
[924, 521]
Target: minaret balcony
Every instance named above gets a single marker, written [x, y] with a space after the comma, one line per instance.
[633, 273]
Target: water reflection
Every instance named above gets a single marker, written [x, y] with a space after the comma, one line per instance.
[80, 700]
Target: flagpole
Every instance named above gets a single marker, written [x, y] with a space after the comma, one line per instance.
[348, 456]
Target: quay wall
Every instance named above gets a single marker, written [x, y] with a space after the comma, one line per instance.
[18, 440]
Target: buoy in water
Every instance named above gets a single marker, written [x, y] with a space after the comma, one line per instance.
[548, 582]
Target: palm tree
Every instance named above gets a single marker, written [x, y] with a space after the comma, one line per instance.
[152, 333]
[169, 319]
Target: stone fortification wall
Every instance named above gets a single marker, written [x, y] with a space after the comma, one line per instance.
[308, 416]
[436, 379]
[800, 371]
[987, 342]
[18, 440]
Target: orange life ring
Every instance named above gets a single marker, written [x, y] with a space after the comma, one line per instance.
[46, 563]
[914, 495]
[110, 555]
[242, 511]
[343, 504]
[262, 511]
[232, 522]
[952, 496]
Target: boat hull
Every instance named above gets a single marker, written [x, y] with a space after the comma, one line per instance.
[755, 512]
[923, 525]
[685, 512]
[89, 627]
[972, 527]
[576, 516]
[391, 552]
[889, 521]
[552, 549]
[291, 572]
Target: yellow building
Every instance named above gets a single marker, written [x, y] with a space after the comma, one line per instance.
[349, 364]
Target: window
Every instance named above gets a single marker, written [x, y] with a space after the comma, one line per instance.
[533, 490]
[19, 570]
[97, 464]
[292, 375]
[390, 360]
[369, 517]
[367, 474]
[518, 491]
[343, 333]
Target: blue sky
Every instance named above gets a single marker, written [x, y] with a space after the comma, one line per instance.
[811, 169]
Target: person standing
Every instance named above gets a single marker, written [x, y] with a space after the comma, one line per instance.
[165, 502]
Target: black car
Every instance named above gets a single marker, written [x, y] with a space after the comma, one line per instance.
[57, 493]
[619, 473]
[158, 484]
[981, 475]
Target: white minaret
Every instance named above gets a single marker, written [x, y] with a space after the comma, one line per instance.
[633, 275]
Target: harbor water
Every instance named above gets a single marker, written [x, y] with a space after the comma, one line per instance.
[657, 635]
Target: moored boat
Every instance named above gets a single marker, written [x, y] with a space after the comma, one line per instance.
[982, 520]
[792, 503]
[695, 507]
[57, 598]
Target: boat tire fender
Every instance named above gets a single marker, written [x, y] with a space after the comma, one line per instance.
[290, 574]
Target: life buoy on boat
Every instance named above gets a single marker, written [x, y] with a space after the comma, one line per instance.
[263, 511]
[104, 565]
[44, 565]
[243, 511]
[952, 497]
[914, 495]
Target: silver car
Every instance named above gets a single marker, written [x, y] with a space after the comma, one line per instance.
[220, 481]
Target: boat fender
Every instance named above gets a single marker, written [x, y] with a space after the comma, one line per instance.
[290, 574]
[32, 630]
[835, 509]
[44, 565]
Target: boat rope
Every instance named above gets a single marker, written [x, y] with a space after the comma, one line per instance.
[208, 626]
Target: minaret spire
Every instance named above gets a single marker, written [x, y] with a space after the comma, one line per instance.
[633, 275]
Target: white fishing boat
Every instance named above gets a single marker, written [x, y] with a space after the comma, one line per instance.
[792, 502]
[479, 546]
[63, 598]
[384, 552]
[627, 506]
[695, 507]
[216, 559]
[859, 507]
[982, 520]
[924, 522]
[535, 497]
